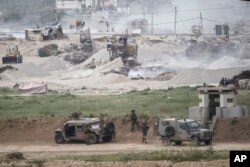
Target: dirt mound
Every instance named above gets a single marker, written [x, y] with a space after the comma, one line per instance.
[200, 76]
[102, 56]
[34, 130]
[32, 70]
[54, 64]
[41, 130]
[232, 130]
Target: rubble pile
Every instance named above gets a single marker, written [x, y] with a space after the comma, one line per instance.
[77, 57]
[165, 76]
[76, 54]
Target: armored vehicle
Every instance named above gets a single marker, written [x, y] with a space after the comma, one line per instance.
[179, 130]
[89, 130]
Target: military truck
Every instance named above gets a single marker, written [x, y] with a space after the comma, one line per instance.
[124, 48]
[89, 130]
[13, 55]
[179, 130]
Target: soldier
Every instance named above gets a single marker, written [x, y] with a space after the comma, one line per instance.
[76, 115]
[144, 132]
[133, 118]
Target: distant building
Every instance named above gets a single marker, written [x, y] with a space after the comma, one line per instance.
[81, 4]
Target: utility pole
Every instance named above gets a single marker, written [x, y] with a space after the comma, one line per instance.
[202, 28]
[152, 23]
[175, 19]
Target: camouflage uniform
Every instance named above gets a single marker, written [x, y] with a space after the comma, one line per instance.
[144, 128]
[133, 118]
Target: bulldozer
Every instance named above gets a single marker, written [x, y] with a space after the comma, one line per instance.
[13, 55]
[125, 49]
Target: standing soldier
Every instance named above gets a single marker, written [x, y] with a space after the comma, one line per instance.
[133, 118]
[144, 132]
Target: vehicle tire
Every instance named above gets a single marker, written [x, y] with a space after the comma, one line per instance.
[195, 141]
[170, 131]
[107, 138]
[208, 142]
[178, 142]
[166, 141]
[110, 128]
[59, 138]
[92, 138]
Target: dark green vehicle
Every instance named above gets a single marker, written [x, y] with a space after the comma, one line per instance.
[89, 130]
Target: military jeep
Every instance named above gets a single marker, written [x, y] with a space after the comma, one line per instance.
[89, 130]
[179, 130]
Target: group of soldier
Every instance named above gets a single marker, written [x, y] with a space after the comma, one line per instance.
[144, 128]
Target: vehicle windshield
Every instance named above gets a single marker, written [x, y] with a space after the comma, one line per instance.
[193, 125]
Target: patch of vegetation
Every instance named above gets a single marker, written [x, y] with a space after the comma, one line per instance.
[170, 155]
[38, 162]
[147, 103]
[7, 91]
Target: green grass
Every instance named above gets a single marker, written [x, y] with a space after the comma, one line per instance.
[170, 155]
[38, 162]
[174, 102]
[7, 91]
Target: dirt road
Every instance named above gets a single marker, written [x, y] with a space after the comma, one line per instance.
[108, 148]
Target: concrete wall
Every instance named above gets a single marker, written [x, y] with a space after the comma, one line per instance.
[227, 100]
[204, 100]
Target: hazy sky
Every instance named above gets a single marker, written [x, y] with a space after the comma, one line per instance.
[223, 11]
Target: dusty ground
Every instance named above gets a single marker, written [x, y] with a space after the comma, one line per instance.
[35, 138]
[217, 163]
[233, 129]
[41, 131]
[165, 52]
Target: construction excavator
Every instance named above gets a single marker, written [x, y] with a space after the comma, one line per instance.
[12, 56]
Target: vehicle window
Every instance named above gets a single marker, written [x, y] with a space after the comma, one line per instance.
[95, 126]
[230, 100]
[182, 126]
[193, 125]
[78, 126]
[165, 123]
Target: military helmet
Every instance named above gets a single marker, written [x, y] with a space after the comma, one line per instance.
[133, 110]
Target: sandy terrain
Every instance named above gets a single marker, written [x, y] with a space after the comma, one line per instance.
[35, 138]
[157, 54]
